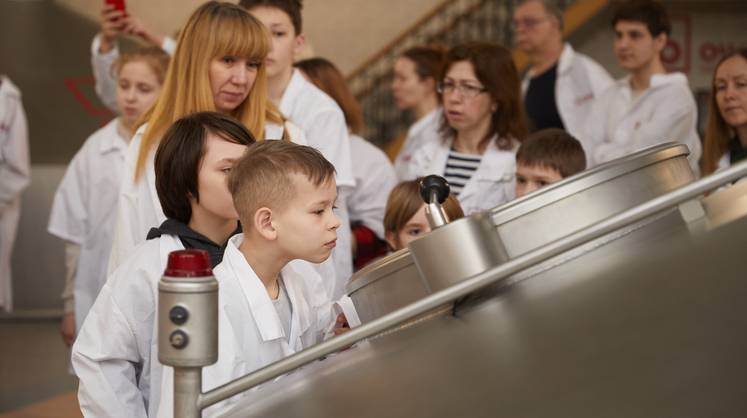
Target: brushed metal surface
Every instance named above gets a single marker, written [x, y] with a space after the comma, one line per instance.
[522, 225]
[649, 325]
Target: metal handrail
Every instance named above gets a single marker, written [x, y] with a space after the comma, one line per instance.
[472, 284]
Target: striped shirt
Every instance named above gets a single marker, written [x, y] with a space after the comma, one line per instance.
[459, 169]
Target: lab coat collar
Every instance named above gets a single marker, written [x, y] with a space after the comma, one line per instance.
[657, 80]
[566, 58]
[260, 305]
[294, 88]
[113, 142]
[425, 121]
[7, 88]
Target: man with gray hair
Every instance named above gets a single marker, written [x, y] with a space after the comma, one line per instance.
[560, 84]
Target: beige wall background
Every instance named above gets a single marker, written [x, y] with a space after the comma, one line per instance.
[344, 31]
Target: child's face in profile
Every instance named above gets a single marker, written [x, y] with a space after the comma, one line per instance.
[307, 226]
[215, 200]
[416, 227]
[533, 177]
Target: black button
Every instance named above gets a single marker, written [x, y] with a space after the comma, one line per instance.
[178, 315]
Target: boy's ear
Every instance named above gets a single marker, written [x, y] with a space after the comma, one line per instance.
[263, 223]
[299, 45]
[661, 41]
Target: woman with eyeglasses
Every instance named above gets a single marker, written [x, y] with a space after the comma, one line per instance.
[482, 126]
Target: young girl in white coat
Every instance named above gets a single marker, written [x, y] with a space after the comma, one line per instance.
[218, 66]
[482, 127]
[373, 173]
[86, 200]
[15, 175]
[115, 355]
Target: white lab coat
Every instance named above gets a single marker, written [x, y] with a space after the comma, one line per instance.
[580, 80]
[84, 208]
[251, 335]
[15, 175]
[106, 83]
[115, 355]
[620, 125]
[323, 122]
[492, 183]
[374, 179]
[422, 132]
[139, 208]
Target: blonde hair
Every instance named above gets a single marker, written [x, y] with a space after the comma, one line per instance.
[214, 30]
[154, 57]
[263, 176]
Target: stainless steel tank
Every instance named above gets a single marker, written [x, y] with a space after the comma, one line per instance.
[647, 325]
[522, 225]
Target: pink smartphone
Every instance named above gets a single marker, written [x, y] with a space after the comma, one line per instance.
[118, 4]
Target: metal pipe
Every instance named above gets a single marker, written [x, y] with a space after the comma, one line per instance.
[474, 283]
[187, 388]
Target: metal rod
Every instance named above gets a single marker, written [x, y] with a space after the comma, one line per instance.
[187, 388]
[474, 283]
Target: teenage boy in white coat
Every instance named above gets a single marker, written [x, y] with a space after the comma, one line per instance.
[115, 354]
[272, 307]
[312, 110]
[560, 84]
[648, 106]
[15, 175]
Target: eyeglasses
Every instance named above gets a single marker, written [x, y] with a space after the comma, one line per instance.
[528, 23]
[465, 90]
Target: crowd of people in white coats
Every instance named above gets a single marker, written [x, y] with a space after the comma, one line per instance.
[222, 142]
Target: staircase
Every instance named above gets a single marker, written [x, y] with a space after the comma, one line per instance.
[451, 23]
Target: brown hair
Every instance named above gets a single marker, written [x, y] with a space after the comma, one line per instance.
[291, 7]
[494, 68]
[553, 148]
[154, 57]
[717, 133]
[262, 177]
[215, 29]
[649, 12]
[179, 156]
[330, 80]
[429, 60]
[404, 201]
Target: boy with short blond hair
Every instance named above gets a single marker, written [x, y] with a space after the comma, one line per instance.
[273, 302]
[546, 157]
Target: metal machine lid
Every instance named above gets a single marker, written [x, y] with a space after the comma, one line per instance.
[587, 179]
[380, 268]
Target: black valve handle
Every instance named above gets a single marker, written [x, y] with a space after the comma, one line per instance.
[434, 186]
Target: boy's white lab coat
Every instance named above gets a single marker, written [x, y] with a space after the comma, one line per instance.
[492, 183]
[620, 125]
[139, 208]
[115, 355]
[424, 131]
[250, 332]
[374, 178]
[84, 208]
[323, 123]
[580, 80]
[15, 175]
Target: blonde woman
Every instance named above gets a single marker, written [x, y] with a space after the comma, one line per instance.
[218, 66]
